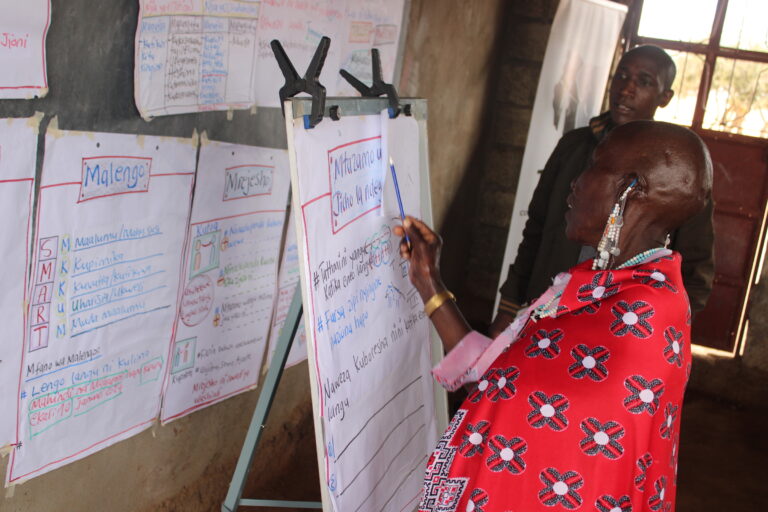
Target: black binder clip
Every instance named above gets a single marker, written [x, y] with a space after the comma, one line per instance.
[310, 84]
[378, 87]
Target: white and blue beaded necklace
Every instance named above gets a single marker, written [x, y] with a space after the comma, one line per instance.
[550, 307]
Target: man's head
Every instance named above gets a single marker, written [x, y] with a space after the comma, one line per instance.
[641, 83]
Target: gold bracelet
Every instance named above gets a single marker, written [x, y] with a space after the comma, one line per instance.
[436, 301]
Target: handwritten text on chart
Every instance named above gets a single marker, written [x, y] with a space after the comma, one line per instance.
[247, 181]
[356, 176]
[81, 285]
[159, 7]
[12, 41]
[112, 175]
[60, 399]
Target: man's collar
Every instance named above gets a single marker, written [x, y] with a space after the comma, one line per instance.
[601, 125]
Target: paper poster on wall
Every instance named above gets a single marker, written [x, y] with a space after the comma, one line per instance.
[18, 154]
[354, 26]
[23, 28]
[369, 24]
[195, 55]
[287, 284]
[230, 275]
[369, 336]
[298, 26]
[112, 216]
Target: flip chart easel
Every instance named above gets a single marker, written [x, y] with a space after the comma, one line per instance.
[277, 365]
[298, 108]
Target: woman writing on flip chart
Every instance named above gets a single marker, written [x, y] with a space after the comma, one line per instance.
[578, 401]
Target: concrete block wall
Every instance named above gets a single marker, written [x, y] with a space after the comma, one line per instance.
[526, 31]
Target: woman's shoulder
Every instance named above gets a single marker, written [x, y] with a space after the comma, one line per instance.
[655, 283]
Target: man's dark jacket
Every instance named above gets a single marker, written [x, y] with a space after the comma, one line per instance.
[545, 251]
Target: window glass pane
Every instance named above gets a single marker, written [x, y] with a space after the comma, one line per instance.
[746, 25]
[689, 21]
[738, 98]
[686, 86]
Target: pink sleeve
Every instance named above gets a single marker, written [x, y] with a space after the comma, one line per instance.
[468, 361]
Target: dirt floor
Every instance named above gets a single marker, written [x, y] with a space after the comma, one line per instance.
[722, 464]
[723, 456]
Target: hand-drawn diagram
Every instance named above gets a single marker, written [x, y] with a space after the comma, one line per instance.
[231, 275]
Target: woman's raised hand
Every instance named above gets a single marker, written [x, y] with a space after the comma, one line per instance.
[423, 255]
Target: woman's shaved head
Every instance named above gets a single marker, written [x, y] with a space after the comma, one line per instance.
[672, 164]
[671, 173]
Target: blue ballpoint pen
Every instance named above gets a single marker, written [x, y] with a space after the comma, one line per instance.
[399, 200]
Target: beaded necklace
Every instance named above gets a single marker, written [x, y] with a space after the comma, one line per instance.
[634, 260]
[547, 309]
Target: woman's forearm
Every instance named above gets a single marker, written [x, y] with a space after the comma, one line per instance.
[450, 324]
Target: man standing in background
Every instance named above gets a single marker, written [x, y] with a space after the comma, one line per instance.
[641, 84]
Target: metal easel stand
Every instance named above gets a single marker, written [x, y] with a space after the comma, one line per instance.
[294, 84]
[277, 365]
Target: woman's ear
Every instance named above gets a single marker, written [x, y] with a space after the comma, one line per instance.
[634, 186]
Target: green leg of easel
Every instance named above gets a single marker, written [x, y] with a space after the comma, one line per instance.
[234, 495]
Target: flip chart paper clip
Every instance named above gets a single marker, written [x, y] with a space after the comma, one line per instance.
[378, 87]
[309, 84]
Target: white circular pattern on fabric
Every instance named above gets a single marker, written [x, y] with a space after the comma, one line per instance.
[675, 347]
[560, 488]
[483, 385]
[502, 382]
[470, 506]
[646, 396]
[589, 362]
[475, 438]
[598, 292]
[661, 494]
[658, 276]
[507, 454]
[547, 411]
[629, 318]
[615, 509]
[601, 438]
[543, 343]
[669, 421]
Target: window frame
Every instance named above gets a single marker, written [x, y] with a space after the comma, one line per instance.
[711, 51]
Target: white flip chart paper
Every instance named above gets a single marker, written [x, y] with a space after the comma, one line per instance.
[18, 154]
[230, 275]
[195, 55]
[369, 334]
[369, 24]
[287, 284]
[23, 28]
[112, 215]
[354, 26]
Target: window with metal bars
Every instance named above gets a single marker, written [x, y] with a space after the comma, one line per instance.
[720, 48]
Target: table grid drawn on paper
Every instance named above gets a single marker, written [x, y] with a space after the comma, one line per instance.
[200, 57]
[105, 276]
